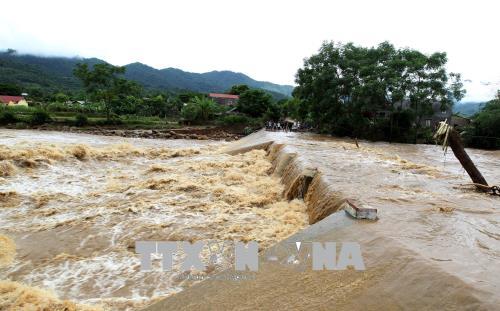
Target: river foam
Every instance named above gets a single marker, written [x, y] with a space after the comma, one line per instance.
[76, 207]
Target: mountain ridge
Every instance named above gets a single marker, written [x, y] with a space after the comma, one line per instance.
[468, 109]
[56, 72]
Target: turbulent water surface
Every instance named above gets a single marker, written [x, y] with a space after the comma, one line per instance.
[424, 198]
[74, 205]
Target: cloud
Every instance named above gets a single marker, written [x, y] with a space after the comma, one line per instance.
[267, 40]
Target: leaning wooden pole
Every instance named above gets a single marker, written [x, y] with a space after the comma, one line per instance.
[447, 135]
[457, 147]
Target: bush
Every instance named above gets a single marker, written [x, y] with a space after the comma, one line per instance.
[114, 120]
[40, 117]
[7, 117]
[484, 131]
[58, 107]
[81, 120]
[21, 125]
[21, 109]
[190, 112]
[233, 120]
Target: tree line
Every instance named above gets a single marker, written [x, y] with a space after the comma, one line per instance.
[379, 93]
[344, 88]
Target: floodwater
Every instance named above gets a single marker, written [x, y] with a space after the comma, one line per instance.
[423, 198]
[75, 204]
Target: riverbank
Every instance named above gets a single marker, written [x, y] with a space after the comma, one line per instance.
[185, 132]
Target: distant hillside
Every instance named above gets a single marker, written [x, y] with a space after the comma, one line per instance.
[56, 73]
[468, 108]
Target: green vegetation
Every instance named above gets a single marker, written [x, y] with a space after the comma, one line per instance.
[81, 120]
[254, 103]
[484, 132]
[200, 110]
[7, 117]
[103, 84]
[44, 76]
[40, 117]
[238, 89]
[344, 88]
[10, 89]
[231, 120]
[378, 93]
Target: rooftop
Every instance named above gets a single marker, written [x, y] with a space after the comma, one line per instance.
[7, 98]
[218, 95]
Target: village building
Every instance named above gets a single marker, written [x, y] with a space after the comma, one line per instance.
[430, 120]
[224, 99]
[459, 121]
[438, 115]
[8, 100]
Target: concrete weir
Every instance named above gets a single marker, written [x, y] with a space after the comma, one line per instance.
[301, 181]
[399, 275]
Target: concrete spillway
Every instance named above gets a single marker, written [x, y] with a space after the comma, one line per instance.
[435, 246]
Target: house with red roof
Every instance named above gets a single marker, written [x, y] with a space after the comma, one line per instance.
[224, 99]
[8, 100]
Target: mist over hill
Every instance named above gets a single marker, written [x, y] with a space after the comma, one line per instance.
[56, 73]
[468, 108]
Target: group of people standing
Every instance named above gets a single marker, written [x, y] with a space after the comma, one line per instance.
[282, 126]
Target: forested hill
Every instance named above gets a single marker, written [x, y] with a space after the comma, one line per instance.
[56, 73]
[468, 108]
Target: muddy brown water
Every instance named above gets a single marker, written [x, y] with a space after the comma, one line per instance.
[75, 204]
[417, 190]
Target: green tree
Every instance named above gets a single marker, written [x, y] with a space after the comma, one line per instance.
[485, 129]
[37, 94]
[174, 106]
[291, 108]
[274, 112]
[344, 88]
[238, 89]
[40, 117]
[7, 117]
[10, 89]
[187, 97]
[207, 107]
[427, 82]
[154, 106]
[61, 97]
[129, 105]
[254, 103]
[104, 83]
[190, 112]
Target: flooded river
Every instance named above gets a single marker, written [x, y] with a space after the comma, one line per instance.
[422, 197]
[74, 205]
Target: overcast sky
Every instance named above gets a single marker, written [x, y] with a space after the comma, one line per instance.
[266, 40]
